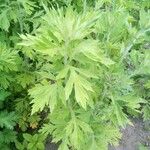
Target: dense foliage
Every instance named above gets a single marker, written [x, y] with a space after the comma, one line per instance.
[73, 70]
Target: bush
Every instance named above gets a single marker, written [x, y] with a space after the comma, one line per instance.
[73, 70]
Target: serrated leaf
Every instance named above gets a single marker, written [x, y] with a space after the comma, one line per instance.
[146, 112]
[9, 60]
[69, 86]
[86, 73]
[3, 95]
[25, 79]
[81, 87]
[7, 136]
[27, 136]
[8, 119]
[64, 145]
[44, 95]
[63, 73]
[4, 23]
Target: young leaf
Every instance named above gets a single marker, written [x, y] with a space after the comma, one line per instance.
[43, 95]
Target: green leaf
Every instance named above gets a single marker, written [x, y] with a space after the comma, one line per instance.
[3, 95]
[44, 95]
[30, 146]
[87, 73]
[5, 80]
[4, 23]
[69, 86]
[63, 73]
[121, 116]
[40, 146]
[9, 60]
[146, 112]
[41, 44]
[7, 120]
[64, 145]
[81, 87]
[25, 79]
[7, 136]
[91, 50]
[144, 21]
[147, 85]
[27, 137]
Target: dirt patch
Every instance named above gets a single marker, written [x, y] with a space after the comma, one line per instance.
[132, 137]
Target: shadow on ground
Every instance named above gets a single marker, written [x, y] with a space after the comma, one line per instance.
[132, 137]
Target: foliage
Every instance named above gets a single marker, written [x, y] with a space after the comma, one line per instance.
[74, 70]
[35, 142]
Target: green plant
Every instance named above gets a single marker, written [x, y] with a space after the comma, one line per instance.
[74, 70]
[31, 142]
[8, 65]
[78, 81]
[14, 19]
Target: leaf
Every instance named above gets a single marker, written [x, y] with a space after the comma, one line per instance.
[30, 146]
[28, 5]
[147, 85]
[87, 73]
[133, 102]
[40, 145]
[92, 51]
[121, 116]
[146, 112]
[27, 137]
[69, 86]
[43, 95]
[7, 120]
[144, 21]
[64, 145]
[63, 73]
[117, 110]
[5, 80]
[7, 136]
[41, 44]
[3, 95]
[46, 129]
[85, 127]
[80, 95]
[25, 79]
[4, 22]
[77, 129]
[61, 94]
[81, 87]
[9, 60]
[69, 25]
[19, 145]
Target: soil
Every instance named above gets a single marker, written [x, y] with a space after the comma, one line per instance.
[132, 137]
